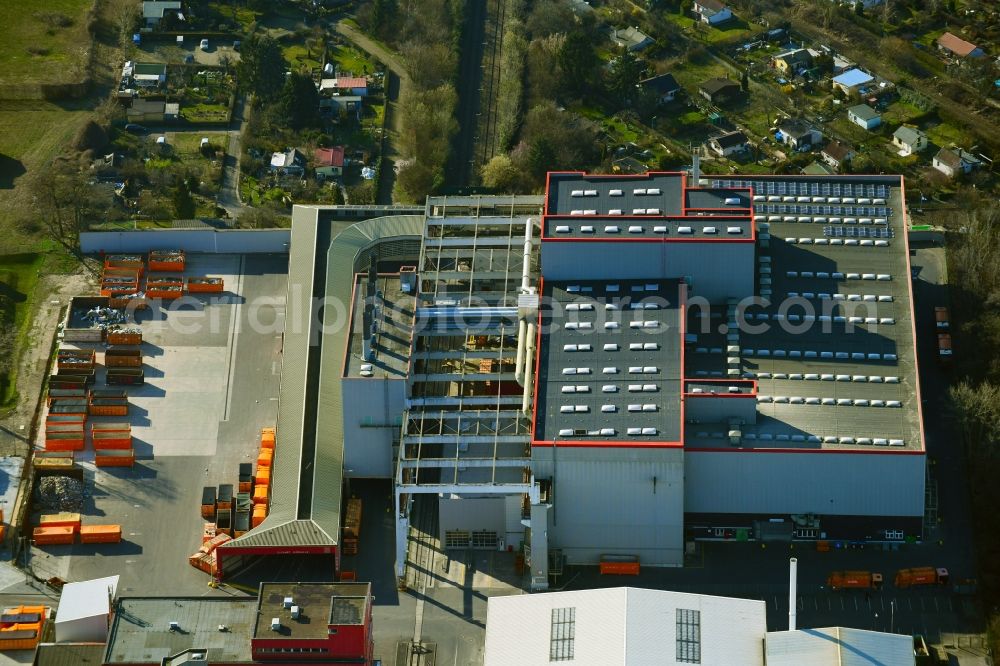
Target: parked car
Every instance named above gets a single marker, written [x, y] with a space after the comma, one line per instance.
[237, 44]
[133, 128]
[188, 59]
[203, 45]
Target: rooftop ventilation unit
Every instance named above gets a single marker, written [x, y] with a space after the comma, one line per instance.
[174, 626]
[296, 612]
[275, 624]
[289, 602]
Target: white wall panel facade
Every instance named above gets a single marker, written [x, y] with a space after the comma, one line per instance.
[241, 241]
[372, 409]
[848, 484]
[615, 500]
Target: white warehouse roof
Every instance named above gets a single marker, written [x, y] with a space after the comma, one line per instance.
[624, 625]
[838, 646]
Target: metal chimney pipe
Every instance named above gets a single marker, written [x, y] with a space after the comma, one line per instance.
[793, 565]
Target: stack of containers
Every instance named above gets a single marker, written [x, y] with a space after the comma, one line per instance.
[125, 376]
[208, 503]
[21, 627]
[205, 285]
[100, 533]
[125, 336]
[241, 516]
[64, 381]
[224, 510]
[167, 261]
[114, 457]
[167, 287]
[108, 402]
[119, 284]
[206, 559]
[208, 532]
[352, 527]
[64, 432]
[111, 436]
[82, 360]
[262, 479]
[56, 529]
[52, 461]
[52, 536]
[120, 280]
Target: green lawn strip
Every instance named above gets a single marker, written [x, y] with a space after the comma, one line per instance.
[350, 59]
[18, 278]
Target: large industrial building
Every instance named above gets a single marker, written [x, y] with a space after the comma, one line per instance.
[619, 366]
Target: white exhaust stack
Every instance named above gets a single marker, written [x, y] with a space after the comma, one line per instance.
[793, 565]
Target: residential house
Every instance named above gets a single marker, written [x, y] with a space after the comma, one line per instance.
[953, 162]
[152, 111]
[798, 134]
[289, 163]
[665, 87]
[864, 116]
[837, 154]
[959, 48]
[329, 162]
[149, 74]
[909, 140]
[852, 80]
[345, 85]
[153, 11]
[712, 12]
[342, 105]
[841, 64]
[580, 7]
[720, 91]
[729, 143]
[632, 39]
[792, 62]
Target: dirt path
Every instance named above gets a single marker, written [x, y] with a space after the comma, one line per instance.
[54, 292]
[396, 81]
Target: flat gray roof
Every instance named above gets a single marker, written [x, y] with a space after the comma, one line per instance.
[320, 605]
[649, 228]
[846, 379]
[717, 198]
[140, 631]
[610, 362]
[575, 191]
[393, 316]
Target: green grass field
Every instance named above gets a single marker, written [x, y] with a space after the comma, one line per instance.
[55, 31]
[31, 134]
[350, 59]
[18, 277]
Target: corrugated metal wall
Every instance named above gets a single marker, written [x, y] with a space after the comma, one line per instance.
[372, 409]
[190, 240]
[822, 483]
[474, 514]
[718, 270]
[606, 501]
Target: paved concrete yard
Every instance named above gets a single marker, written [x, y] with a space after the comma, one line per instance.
[211, 384]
